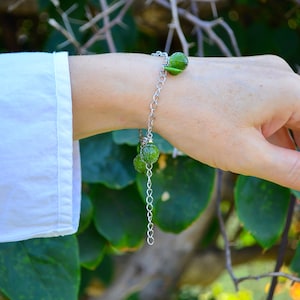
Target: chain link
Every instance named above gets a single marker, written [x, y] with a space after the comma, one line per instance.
[148, 138]
[154, 103]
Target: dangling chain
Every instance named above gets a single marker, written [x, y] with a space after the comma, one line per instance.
[148, 152]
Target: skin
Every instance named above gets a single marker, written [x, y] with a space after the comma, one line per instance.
[230, 113]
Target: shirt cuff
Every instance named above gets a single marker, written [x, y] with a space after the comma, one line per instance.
[68, 155]
[40, 179]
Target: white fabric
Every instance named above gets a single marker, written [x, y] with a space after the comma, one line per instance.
[39, 162]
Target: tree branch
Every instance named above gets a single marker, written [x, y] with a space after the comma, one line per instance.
[101, 15]
[176, 25]
[206, 26]
[270, 274]
[102, 31]
[110, 41]
[224, 234]
[283, 245]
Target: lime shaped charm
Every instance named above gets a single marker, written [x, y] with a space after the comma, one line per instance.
[177, 63]
[149, 153]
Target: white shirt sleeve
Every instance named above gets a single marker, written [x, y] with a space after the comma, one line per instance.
[39, 162]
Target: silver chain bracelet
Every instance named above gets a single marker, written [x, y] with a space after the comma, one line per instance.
[149, 136]
[148, 153]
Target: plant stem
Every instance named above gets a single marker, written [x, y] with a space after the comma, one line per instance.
[283, 246]
[223, 231]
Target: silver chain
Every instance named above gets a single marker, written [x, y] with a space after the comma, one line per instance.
[149, 137]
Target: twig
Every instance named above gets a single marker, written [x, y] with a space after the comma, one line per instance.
[214, 8]
[176, 25]
[65, 17]
[206, 26]
[169, 39]
[199, 33]
[101, 15]
[67, 30]
[13, 6]
[218, 41]
[65, 33]
[231, 36]
[283, 245]
[116, 21]
[109, 38]
[270, 274]
[223, 231]
[89, 16]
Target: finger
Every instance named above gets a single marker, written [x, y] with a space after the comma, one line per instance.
[282, 138]
[277, 164]
[296, 137]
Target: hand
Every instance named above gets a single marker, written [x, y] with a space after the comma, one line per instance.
[234, 114]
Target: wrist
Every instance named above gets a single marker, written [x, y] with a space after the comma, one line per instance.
[111, 91]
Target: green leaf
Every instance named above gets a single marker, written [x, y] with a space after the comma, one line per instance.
[262, 207]
[120, 216]
[43, 269]
[105, 162]
[181, 191]
[295, 263]
[92, 248]
[86, 212]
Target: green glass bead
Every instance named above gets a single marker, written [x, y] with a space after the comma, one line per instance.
[178, 61]
[139, 164]
[150, 153]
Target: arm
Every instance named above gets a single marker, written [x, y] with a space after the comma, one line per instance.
[231, 113]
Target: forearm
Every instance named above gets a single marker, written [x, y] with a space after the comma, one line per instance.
[111, 91]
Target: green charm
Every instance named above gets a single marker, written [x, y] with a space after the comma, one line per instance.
[147, 154]
[139, 164]
[178, 61]
[150, 153]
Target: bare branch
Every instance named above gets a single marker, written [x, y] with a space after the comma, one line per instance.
[198, 30]
[169, 39]
[65, 33]
[108, 34]
[101, 15]
[270, 274]
[223, 231]
[65, 17]
[231, 36]
[116, 21]
[206, 26]
[176, 25]
[283, 245]
[13, 6]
